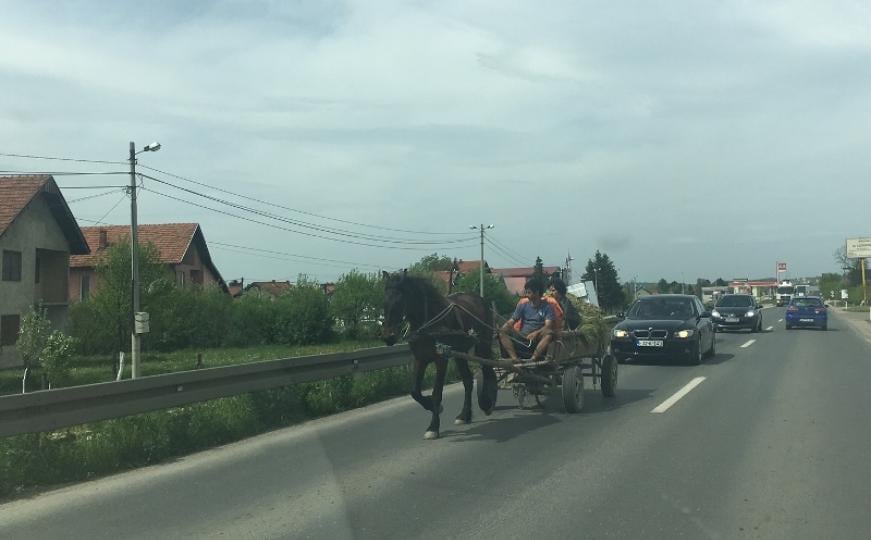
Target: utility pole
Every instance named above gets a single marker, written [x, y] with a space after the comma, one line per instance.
[139, 327]
[134, 262]
[481, 229]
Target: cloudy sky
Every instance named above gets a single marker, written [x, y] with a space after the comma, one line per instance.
[685, 139]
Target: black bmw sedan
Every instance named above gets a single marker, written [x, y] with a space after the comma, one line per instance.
[666, 325]
[735, 311]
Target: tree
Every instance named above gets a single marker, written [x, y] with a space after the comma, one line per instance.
[662, 286]
[356, 302]
[601, 270]
[431, 263]
[107, 317]
[538, 271]
[40, 347]
[851, 267]
[495, 290]
[720, 282]
[830, 285]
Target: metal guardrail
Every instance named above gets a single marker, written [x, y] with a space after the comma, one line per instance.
[53, 409]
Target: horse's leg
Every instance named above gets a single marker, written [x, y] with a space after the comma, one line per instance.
[432, 431]
[417, 384]
[465, 416]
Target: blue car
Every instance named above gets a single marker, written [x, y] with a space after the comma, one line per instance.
[809, 311]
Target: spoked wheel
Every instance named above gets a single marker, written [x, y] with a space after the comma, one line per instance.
[609, 375]
[573, 389]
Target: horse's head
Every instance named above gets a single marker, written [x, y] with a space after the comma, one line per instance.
[394, 306]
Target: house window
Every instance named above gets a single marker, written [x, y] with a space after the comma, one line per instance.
[181, 279]
[9, 326]
[197, 277]
[85, 287]
[11, 265]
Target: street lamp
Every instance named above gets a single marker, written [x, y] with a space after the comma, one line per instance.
[482, 228]
[134, 257]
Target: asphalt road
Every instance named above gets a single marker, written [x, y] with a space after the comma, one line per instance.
[773, 443]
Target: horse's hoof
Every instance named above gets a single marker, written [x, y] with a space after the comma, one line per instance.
[430, 435]
[461, 422]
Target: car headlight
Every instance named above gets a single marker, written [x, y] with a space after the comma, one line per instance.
[619, 333]
[750, 313]
[715, 314]
[683, 334]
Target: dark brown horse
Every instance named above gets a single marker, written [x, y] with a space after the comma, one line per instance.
[461, 321]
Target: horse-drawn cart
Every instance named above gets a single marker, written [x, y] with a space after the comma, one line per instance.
[571, 359]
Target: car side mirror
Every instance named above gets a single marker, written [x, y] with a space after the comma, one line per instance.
[621, 316]
[826, 305]
[705, 315]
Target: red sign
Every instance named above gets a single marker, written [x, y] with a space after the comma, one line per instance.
[781, 267]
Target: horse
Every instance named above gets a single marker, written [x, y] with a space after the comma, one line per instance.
[460, 321]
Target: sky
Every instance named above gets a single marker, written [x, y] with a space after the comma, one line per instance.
[684, 139]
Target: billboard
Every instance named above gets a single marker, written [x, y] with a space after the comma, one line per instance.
[781, 267]
[858, 248]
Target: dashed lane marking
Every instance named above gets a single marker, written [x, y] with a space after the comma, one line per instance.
[665, 405]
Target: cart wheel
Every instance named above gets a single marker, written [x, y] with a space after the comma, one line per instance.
[609, 375]
[573, 389]
[488, 390]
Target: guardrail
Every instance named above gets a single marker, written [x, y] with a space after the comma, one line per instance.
[53, 409]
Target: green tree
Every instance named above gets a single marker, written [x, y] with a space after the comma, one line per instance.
[356, 303]
[42, 348]
[601, 270]
[495, 290]
[538, 271]
[720, 282]
[830, 285]
[851, 267]
[431, 263]
[662, 287]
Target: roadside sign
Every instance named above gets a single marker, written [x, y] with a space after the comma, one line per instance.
[781, 267]
[844, 294]
[141, 323]
[858, 248]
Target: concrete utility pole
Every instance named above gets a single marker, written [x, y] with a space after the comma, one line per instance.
[482, 228]
[134, 257]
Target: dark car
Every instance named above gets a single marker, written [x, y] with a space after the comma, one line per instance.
[807, 311]
[737, 311]
[665, 325]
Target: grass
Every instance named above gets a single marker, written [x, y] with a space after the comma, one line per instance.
[89, 451]
[93, 369]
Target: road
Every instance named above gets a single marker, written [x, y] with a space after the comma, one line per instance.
[772, 443]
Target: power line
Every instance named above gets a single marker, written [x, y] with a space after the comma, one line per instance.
[65, 173]
[91, 187]
[310, 226]
[504, 253]
[516, 255]
[272, 252]
[114, 206]
[54, 158]
[98, 195]
[296, 210]
[316, 264]
[279, 227]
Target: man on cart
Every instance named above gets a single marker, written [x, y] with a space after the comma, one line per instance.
[536, 317]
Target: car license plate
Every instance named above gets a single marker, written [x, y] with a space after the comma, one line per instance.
[806, 320]
[732, 319]
[650, 343]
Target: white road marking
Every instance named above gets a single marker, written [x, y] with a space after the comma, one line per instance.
[779, 320]
[769, 329]
[751, 342]
[665, 405]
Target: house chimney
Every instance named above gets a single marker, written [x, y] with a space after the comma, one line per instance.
[104, 239]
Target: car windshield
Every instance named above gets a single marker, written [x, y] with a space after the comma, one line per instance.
[735, 301]
[806, 302]
[785, 290]
[661, 309]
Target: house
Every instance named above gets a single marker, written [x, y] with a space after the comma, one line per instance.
[329, 288]
[181, 247]
[38, 233]
[268, 289]
[516, 278]
[236, 287]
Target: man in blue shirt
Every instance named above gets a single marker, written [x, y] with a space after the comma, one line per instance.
[536, 330]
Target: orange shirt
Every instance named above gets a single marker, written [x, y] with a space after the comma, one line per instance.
[558, 315]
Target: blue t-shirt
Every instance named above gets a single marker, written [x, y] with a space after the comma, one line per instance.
[533, 318]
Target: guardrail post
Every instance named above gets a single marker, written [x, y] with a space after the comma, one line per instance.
[199, 360]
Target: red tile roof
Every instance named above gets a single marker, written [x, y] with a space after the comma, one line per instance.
[464, 267]
[17, 192]
[523, 271]
[275, 288]
[172, 241]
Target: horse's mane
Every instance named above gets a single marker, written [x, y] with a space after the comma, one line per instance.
[425, 300]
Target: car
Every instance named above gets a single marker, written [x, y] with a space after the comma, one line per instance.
[666, 326]
[807, 311]
[737, 311]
